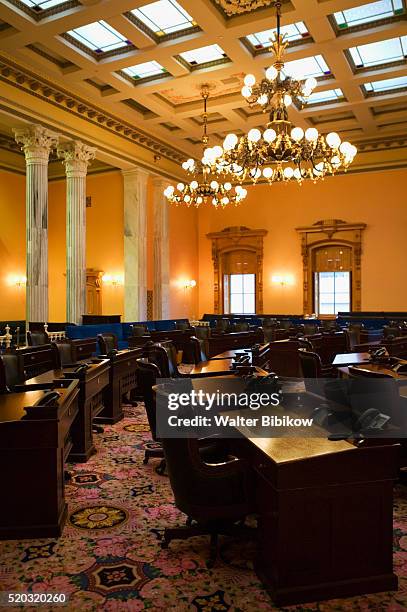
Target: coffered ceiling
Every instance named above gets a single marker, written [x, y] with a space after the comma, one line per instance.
[129, 70]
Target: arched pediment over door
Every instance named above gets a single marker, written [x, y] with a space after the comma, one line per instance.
[331, 245]
[237, 250]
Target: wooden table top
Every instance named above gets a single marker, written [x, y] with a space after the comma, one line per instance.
[285, 450]
[232, 353]
[345, 359]
[215, 366]
[52, 375]
[12, 404]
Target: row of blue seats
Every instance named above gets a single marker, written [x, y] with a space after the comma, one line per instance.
[258, 319]
[371, 319]
[121, 330]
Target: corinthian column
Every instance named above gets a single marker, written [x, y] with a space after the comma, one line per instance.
[161, 252]
[76, 157]
[37, 143]
[135, 244]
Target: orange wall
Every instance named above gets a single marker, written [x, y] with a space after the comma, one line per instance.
[12, 245]
[183, 228]
[378, 199]
[104, 239]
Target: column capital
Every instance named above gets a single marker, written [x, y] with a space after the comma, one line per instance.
[76, 156]
[36, 142]
[135, 174]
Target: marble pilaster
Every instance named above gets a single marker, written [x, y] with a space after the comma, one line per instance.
[37, 143]
[135, 244]
[161, 251]
[76, 156]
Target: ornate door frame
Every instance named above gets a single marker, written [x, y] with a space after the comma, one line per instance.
[236, 239]
[331, 232]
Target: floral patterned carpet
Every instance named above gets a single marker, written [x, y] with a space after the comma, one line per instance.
[109, 557]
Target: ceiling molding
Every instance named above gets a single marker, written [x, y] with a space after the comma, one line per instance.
[29, 82]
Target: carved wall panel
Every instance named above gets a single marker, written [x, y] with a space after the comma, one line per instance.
[237, 250]
[321, 249]
[94, 291]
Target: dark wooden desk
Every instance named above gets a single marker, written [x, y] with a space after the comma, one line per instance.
[34, 443]
[346, 359]
[92, 382]
[235, 340]
[122, 379]
[39, 359]
[326, 517]
[378, 367]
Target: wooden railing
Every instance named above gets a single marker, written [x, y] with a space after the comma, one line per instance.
[5, 339]
[54, 336]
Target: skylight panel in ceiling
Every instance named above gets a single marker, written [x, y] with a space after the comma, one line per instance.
[332, 95]
[164, 17]
[197, 57]
[145, 70]
[368, 13]
[383, 52]
[99, 37]
[42, 4]
[308, 66]
[386, 85]
[293, 31]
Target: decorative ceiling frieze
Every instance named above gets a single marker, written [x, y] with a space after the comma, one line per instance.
[231, 8]
[30, 83]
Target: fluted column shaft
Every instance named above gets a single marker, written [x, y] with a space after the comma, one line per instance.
[161, 252]
[76, 157]
[37, 143]
[135, 244]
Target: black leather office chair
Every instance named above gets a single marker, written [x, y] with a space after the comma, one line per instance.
[164, 355]
[310, 329]
[11, 371]
[313, 371]
[37, 338]
[304, 343]
[392, 331]
[241, 327]
[138, 330]
[147, 375]
[202, 332]
[222, 325]
[65, 350]
[199, 350]
[214, 497]
[107, 343]
[182, 325]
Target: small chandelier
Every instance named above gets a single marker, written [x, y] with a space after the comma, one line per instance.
[282, 152]
[204, 187]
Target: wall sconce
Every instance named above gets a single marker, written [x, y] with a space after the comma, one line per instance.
[189, 284]
[18, 281]
[113, 279]
[282, 279]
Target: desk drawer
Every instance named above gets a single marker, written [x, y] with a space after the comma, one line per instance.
[97, 384]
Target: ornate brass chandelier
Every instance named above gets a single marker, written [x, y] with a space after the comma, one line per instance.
[204, 186]
[282, 152]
